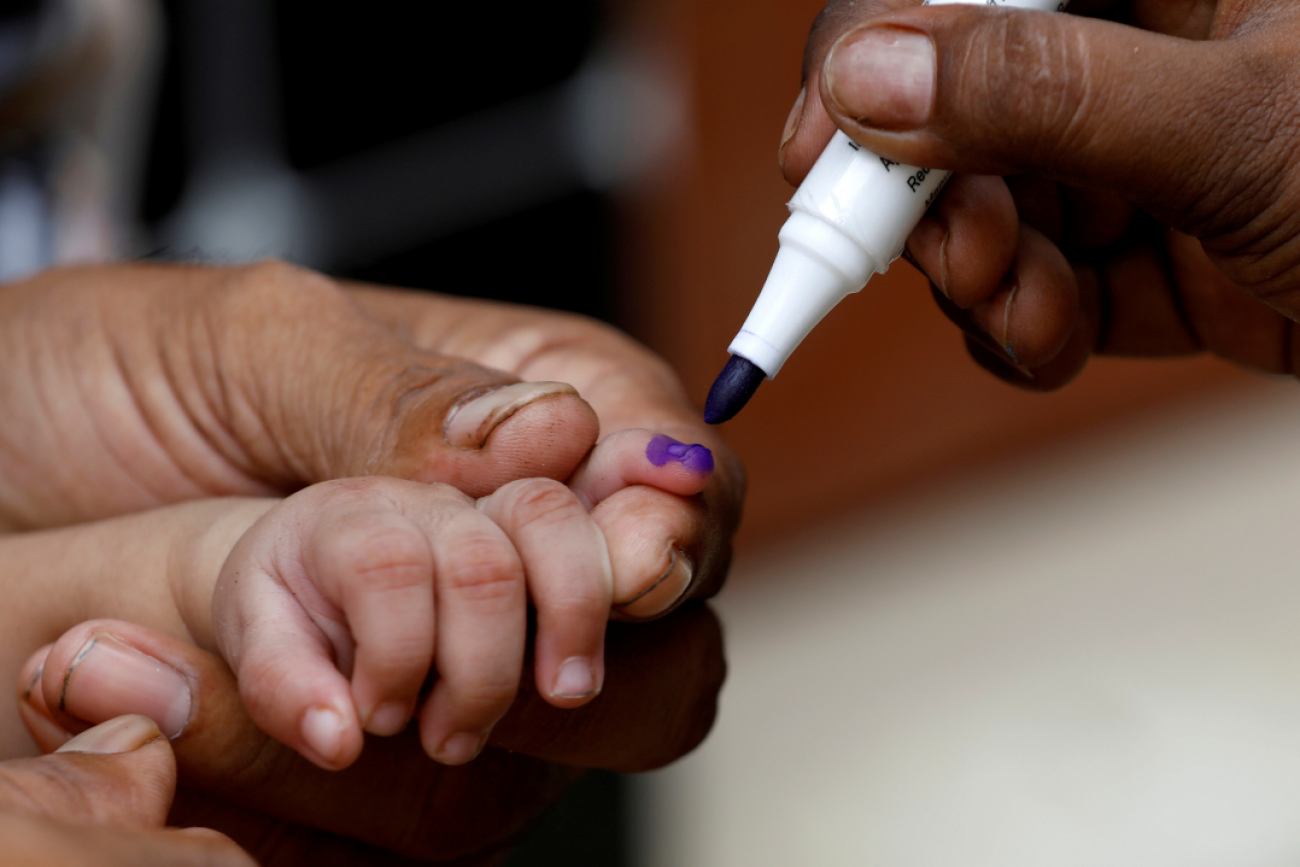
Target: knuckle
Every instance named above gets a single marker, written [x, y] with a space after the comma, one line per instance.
[484, 698]
[397, 656]
[1031, 69]
[272, 291]
[386, 559]
[577, 605]
[541, 503]
[483, 573]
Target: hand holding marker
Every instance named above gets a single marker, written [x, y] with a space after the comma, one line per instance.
[849, 219]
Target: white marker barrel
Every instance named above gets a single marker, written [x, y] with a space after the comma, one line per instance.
[849, 219]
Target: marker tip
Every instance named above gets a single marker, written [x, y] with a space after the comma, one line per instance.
[732, 389]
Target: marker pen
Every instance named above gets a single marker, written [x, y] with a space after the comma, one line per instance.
[848, 220]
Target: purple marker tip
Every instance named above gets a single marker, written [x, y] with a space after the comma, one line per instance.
[732, 389]
[663, 449]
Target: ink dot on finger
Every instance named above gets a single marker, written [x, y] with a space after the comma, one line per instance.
[663, 449]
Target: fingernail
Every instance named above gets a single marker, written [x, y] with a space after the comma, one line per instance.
[991, 359]
[122, 735]
[791, 126]
[577, 679]
[109, 678]
[33, 680]
[460, 748]
[928, 233]
[390, 718]
[994, 318]
[695, 457]
[665, 591]
[472, 421]
[883, 77]
[322, 729]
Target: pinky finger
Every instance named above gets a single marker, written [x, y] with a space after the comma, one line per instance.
[290, 685]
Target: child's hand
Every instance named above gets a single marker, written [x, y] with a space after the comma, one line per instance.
[372, 580]
[641, 487]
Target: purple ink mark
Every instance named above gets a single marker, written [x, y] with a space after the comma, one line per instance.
[663, 448]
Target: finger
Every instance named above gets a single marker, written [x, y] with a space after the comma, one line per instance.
[482, 600]
[655, 540]
[1226, 319]
[26, 842]
[629, 386]
[1142, 314]
[386, 797]
[967, 242]
[375, 563]
[1039, 205]
[641, 457]
[121, 772]
[658, 704]
[569, 580]
[809, 128]
[1055, 374]
[294, 384]
[1095, 218]
[1085, 101]
[32, 709]
[285, 639]
[1033, 312]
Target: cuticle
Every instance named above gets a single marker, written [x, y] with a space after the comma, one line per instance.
[672, 566]
[35, 679]
[1006, 320]
[72, 667]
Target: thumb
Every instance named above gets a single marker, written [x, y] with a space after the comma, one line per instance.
[121, 772]
[297, 385]
[1179, 127]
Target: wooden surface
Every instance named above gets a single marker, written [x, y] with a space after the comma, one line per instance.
[882, 397]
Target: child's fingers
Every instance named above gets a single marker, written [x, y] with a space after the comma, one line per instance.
[286, 669]
[569, 579]
[375, 563]
[482, 600]
[641, 457]
[655, 541]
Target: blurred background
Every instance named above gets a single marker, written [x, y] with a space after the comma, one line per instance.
[966, 624]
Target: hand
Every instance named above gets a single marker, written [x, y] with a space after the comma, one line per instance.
[662, 683]
[101, 801]
[650, 532]
[1155, 162]
[376, 580]
[129, 387]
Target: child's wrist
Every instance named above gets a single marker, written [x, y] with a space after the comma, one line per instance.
[198, 558]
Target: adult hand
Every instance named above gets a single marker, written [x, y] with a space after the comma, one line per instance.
[663, 679]
[101, 801]
[129, 387]
[1154, 207]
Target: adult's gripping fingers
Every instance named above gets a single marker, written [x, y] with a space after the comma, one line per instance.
[1175, 125]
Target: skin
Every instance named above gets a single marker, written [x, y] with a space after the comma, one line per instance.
[345, 595]
[102, 803]
[1128, 181]
[658, 703]
[131, 388]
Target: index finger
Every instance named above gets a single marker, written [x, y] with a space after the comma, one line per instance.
[664, 678]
